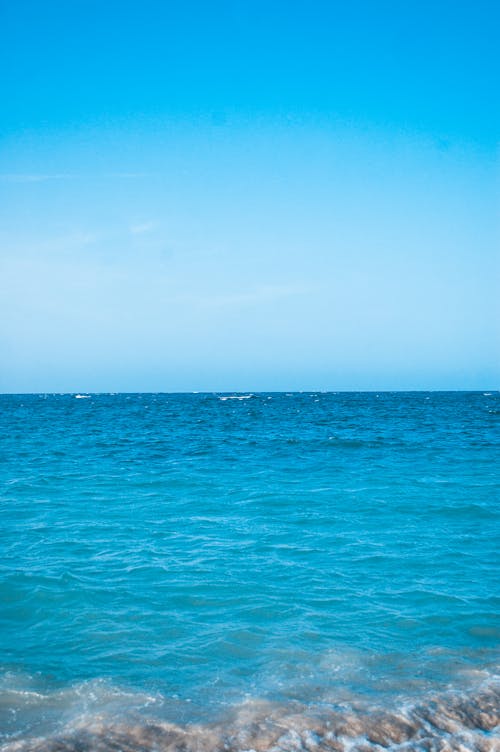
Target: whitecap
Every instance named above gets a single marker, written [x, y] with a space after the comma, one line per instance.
[236, 397]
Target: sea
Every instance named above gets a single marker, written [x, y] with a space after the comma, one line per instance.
[250, 572]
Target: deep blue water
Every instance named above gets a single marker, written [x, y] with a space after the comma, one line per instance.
[178, 554]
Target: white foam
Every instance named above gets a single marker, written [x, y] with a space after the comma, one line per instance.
[236, 397]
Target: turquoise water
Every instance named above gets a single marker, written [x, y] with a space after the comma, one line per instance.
[183, 557]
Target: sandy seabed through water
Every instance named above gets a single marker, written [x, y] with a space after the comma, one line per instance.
[444, 722]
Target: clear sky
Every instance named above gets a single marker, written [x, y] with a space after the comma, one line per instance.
[249, 195]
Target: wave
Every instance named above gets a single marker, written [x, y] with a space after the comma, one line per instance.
[236, 397]
[448, 721]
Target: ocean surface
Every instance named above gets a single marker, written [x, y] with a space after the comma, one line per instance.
[280, 571]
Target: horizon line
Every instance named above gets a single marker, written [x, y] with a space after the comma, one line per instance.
[252, 393]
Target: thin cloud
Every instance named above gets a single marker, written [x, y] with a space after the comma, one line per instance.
[142, 228]
[41, 177]
[32, 178]
[267, 293]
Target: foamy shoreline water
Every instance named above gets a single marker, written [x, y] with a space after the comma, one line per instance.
[450, 720]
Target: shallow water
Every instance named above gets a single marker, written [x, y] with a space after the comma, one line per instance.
[284, 569]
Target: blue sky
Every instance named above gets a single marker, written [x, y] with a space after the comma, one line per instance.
[249, 195]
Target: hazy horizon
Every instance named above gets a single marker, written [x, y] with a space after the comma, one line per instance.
[249, 392]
